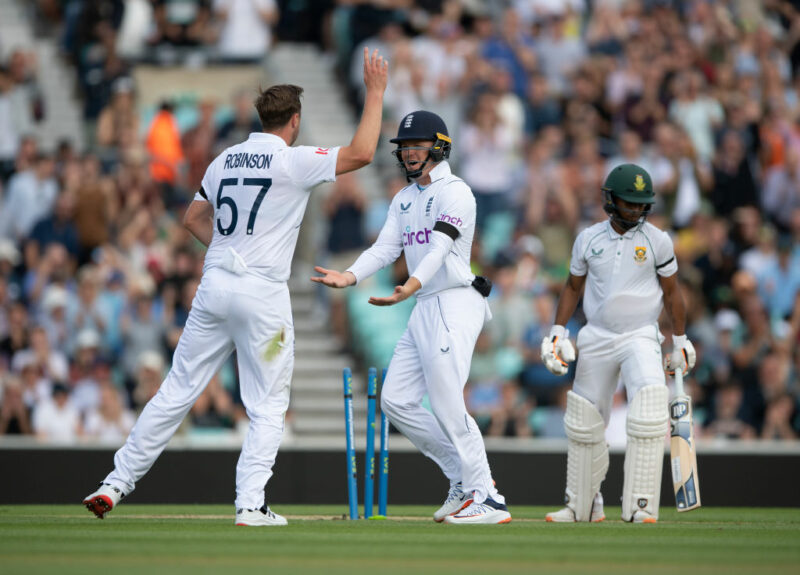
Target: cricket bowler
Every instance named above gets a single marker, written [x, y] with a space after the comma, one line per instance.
[248, 212]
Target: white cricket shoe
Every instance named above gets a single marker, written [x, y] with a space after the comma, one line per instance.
[567, 515]
[103, 500]
[455, 502]
[259, 517]
[643, 517]
[489, 512]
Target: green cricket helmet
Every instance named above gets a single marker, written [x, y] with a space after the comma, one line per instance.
[633, 184]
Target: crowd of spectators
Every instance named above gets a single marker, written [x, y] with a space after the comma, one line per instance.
[542, 97]
[97, 273]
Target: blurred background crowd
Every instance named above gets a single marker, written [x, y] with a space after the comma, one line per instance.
[542, 98]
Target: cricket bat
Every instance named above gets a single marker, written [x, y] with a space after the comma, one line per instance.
[682, 449]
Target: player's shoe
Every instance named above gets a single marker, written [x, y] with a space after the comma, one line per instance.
[489, 512]
[259, 517]
[103, 500]
[567, 515]
[455, 502]
[643, 517]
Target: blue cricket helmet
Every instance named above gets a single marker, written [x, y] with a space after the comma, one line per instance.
[422, 125]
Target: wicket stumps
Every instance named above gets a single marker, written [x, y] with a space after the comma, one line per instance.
[369, 456]
[352, 480]
[383, 469]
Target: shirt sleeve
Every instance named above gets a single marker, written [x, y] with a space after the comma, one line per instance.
[455, 205]
[666, 264]
[385, 250]
[578, 266]
[206, 186]
[439, 248]
[309, 166]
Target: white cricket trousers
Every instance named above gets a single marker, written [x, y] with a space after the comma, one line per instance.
[606, 357]
[228, 310]
[433, 356]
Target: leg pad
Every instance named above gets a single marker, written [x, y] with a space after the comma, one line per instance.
[587, 455]
[644, 455]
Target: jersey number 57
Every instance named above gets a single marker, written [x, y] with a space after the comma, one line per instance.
[265, 184]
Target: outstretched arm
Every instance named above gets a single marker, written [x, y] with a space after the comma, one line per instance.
[425, 270]
[362, 148]
[384, 251]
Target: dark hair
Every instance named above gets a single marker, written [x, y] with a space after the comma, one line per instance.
[277, 105]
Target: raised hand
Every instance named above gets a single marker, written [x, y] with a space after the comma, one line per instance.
[376, 71]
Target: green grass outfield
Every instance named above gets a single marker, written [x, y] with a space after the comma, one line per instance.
[195, 539]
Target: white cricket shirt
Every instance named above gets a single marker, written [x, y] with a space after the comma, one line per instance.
[409, 225]
[259, 190]
[622, 288]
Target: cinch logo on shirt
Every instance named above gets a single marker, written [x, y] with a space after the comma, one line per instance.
[413, 237]
[450, 220]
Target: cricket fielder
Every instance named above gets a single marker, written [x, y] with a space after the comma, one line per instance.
[432, 220]
[248, 212]
[628, 267]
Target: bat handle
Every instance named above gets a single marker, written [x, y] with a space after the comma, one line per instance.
[679, 382]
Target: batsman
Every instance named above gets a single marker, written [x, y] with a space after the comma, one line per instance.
[627, 268]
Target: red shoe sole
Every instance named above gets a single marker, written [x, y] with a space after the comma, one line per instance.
[99, 505]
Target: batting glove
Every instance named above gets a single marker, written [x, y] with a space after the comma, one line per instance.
[557, 350]
[683, 355]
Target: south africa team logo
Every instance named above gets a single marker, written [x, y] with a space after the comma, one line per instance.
[640, 254]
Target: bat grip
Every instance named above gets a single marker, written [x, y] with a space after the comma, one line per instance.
[679, 382]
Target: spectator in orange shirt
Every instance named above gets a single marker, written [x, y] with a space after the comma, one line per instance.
[166, 152]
